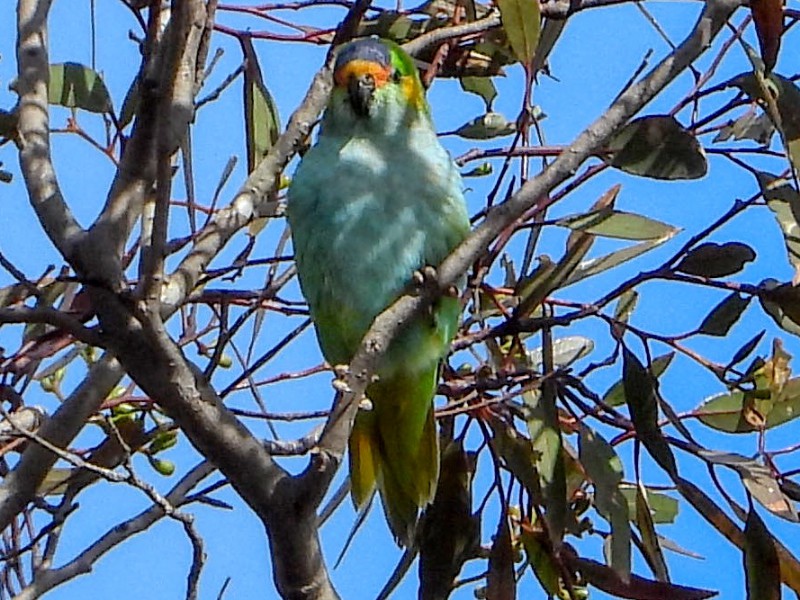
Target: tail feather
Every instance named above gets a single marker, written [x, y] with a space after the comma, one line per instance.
[395, 447]
[364, 460]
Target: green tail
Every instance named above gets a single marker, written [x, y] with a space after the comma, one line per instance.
[395, 448]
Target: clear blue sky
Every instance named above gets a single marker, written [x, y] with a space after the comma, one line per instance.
[599, 52]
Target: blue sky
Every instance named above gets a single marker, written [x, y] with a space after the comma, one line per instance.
[599, 51]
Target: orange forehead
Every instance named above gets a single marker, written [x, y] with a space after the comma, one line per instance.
[360, 67]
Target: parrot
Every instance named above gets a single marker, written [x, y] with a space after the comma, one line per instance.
[376, 200]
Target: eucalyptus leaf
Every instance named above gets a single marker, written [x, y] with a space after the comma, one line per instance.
[724, 315]
[618, 224]
[716, 260]
[658, 147]
[76, 86]
[522, 23]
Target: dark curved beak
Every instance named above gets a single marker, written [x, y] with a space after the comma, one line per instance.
[360, 89]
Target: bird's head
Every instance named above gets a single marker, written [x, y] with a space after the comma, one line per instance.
[373, 78]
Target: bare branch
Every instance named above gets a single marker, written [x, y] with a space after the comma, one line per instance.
[20, 484]
[51, 316]
[83, 563]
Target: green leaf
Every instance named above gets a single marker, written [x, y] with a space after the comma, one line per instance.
[56, 481]
[758, 479]
[725, 412]
[615, 396]
[543, 563]
[483, 87]
[658, 147]
[642, 399]
[724, 315]
[541, 417]
[594, 266]
[76, 86]
[604, 468]
[262, 124]
[566, 351]
[522, 23]
[716, 260]
[784, 202]
[663, 508]
[618, 224]
[750, 126]
[130, 104]
[626, 305]
[761, 564]
[746, 349]
[650, 543]
[490, 125]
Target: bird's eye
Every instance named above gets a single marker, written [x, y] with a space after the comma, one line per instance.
[396, 76]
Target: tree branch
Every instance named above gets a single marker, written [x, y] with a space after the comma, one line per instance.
[34, 129]
[84, 562]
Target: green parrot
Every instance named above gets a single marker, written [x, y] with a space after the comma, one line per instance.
[376, 199]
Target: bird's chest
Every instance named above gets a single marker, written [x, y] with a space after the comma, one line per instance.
[380, 213]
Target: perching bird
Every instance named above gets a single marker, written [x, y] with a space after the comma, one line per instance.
[376, 199]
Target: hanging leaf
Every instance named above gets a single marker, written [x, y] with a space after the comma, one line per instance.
[650, 544]
[262, 125]
[483, 87]
[626, 305]
[768, 17]
[521, 22]
[615, 396]
[130, 104]
[490, 125]
[541, 417]
[724, 315]
[618, 224]
[604, 468]
[716, 260]
[76, 86]
[746, 349]
[658, 147]
[784, 202]
[501, 583]
[448, 534]
[542, 561]
[761, 564]
[642, 400]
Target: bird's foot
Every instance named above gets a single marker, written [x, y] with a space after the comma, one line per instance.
[426, 280]
[339, 384]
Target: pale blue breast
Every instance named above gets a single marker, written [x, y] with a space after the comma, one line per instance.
[366, 212]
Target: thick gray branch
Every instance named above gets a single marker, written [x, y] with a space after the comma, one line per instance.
[34, 128]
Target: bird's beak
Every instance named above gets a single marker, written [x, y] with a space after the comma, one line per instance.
[360, 88]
